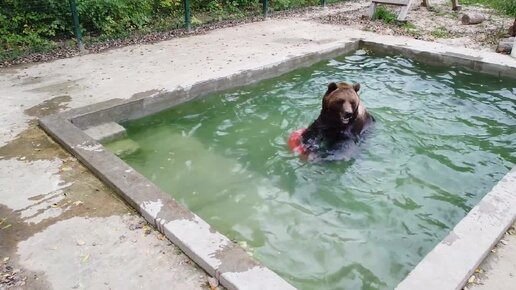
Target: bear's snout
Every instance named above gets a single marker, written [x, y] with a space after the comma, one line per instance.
[348, 115]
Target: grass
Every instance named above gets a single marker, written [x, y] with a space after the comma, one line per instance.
[494, 36]
[384, 14]
[507, 7]
[489, 3]
[440, 32]
[411, 29]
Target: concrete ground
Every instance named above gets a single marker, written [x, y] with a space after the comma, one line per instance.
[498, 271]
[60, 227]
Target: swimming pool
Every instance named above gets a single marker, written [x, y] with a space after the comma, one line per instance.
[443, 138]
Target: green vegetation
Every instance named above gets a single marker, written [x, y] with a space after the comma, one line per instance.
[441, 32]
[384, 14]
[389, 17]
[507, 7]
[411, 29]
[28, 26]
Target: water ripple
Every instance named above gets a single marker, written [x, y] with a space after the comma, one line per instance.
[442, 139]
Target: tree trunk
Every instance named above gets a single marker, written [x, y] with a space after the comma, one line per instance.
[512, 29]
[472, 18]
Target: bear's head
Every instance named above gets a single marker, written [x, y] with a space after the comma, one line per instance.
[340, 104]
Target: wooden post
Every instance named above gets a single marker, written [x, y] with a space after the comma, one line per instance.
[455, 5]
[405, 5]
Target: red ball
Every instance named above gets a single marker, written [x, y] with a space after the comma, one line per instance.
[294, 142]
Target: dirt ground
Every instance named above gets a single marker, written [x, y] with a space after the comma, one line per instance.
[438, 23]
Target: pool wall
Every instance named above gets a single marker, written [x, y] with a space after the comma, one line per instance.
[447, 266]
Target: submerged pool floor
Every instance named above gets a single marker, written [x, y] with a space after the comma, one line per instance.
[442, 139]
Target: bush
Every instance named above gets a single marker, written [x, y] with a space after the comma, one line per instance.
[27, 26]
[114, 17]
[286, 4]
[384, 14]
[37, 25]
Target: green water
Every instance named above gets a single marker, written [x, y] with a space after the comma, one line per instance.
[442, 140]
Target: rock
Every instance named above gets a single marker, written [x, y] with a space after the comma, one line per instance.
[472, 279]
[472, 18]
[505, 45]
[213, 283]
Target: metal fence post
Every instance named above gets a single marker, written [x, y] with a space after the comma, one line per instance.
[188, 20]
[323, 2]
[76, 25]
[265, 8]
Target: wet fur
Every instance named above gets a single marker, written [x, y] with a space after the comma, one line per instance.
[332, 135]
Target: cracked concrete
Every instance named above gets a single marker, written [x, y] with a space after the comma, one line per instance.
[60, 224]
[498, 271]
[55, 213]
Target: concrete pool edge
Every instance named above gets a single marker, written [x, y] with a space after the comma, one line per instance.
[212, 251]
[457, 256]
[215, 253]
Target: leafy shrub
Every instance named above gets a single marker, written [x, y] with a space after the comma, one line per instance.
[286, 4]
[36, 25]
[384, 14]
[114, 17]
[27, 27]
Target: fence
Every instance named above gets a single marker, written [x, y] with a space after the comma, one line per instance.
[28, 26]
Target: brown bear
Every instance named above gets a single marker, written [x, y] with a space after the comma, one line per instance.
[342, 120]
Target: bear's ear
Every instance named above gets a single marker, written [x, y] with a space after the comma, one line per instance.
[331, 87]
[356, 87]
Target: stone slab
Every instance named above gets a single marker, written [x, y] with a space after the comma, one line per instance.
[106, 132]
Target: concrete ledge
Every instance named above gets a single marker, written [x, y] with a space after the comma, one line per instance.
[446, 267]
[106, 132]
[120, 111]
[440, 55]
[451, 262]
[189, 232]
